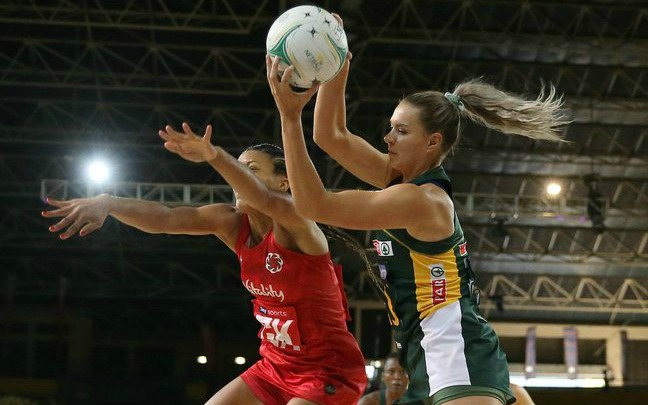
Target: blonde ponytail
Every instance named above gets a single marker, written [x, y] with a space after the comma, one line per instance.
[539, 119]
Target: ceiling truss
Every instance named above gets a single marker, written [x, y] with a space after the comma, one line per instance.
[79, 79]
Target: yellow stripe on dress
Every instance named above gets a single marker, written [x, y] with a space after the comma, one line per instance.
[437, 281]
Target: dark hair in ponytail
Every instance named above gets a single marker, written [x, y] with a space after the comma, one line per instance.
[336, 234]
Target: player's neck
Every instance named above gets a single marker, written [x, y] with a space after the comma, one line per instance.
[260, 224]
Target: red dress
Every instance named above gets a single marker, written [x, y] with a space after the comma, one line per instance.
[306, 349]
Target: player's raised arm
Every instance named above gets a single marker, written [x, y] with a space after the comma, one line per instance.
[239, 174]
[258, 178]
[330, 133]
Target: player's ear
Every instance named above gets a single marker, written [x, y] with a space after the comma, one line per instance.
[434, 140]
[284, 185]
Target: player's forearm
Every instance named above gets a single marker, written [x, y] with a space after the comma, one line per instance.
[307, 188]
[329, 126]
[241, 179]
[147, 216]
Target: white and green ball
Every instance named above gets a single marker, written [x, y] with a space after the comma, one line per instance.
[310, 39]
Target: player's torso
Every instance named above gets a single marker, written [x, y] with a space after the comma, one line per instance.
[419, 283]
[297, 297]
[421, 277]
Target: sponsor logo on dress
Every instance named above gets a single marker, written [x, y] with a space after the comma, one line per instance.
[272, 312]
[382, 271]
[278, 325]
[273, 263]
[438, 283]
[263, 290]
[383, 248]
[463, 249]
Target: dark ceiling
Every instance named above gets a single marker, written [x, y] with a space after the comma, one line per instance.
[100, 78]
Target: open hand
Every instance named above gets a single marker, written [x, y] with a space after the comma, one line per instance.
[83, 215]
[288, 101]
[189, 145]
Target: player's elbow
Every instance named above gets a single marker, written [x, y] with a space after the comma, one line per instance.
[321, 140]
[327, 137]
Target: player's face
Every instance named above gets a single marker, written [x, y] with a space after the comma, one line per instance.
[260, 163]
[407, 140]
[394, 376]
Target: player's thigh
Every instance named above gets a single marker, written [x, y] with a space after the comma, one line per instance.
[236, 392]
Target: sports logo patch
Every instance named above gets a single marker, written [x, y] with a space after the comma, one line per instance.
[438, 283]
[383, 248]
[273, 263]
[463, 249]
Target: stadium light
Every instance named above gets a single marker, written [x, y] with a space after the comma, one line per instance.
[98, 171]
[553, 189]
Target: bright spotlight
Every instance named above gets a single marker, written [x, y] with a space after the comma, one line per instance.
[240, 360]
[201, 359]
[553, 189]
[98, 171]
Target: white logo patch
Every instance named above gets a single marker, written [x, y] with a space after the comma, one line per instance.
[383, 271]
[439, 283]
[273, 263]
[383, 248]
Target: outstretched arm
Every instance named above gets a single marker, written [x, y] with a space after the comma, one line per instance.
[189, 146]
[331, 134]
[302, 234]
[85, 215]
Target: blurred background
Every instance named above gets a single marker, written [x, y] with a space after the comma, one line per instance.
[558, 233]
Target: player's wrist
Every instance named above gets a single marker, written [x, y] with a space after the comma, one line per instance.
[107, 201]
[214, 154]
